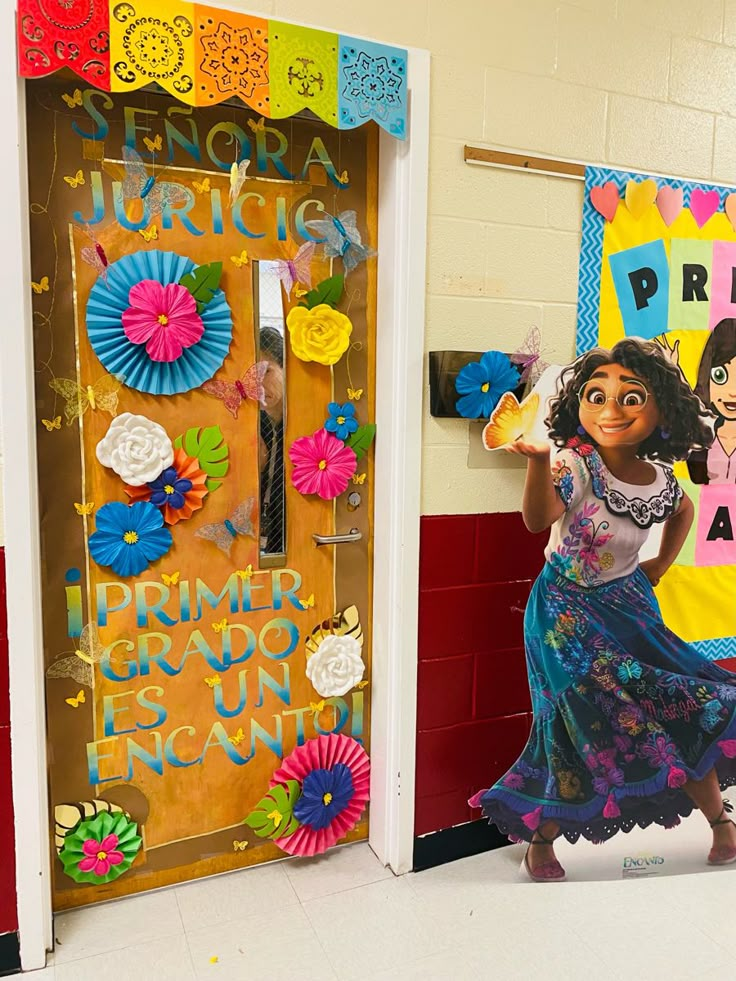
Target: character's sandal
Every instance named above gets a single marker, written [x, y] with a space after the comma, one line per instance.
[722, 854]
[547, 871]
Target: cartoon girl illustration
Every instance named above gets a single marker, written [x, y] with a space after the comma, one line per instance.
[716, 388]
[631, 725]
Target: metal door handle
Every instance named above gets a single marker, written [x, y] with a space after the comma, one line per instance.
[352, 536]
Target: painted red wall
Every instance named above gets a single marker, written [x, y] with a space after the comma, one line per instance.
[474, 712]
[8, 913]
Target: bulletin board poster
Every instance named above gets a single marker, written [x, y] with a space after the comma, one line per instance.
[169, 247]
[658, 261]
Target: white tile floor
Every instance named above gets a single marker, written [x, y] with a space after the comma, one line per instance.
[344, 916]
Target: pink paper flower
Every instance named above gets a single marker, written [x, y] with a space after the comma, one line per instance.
[335, 757]
[100, 855]
[164, 318]
[322, 463]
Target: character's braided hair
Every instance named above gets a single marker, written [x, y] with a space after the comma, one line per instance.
[683, 414]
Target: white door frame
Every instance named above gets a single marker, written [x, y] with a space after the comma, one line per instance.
[401, 296]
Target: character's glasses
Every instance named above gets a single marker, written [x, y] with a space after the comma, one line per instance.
[631, 396]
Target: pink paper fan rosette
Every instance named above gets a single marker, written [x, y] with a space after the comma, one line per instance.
[323, 753]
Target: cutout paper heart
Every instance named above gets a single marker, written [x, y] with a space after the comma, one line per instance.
[604, 199]
[730, 209]
[703, 205]
[640, 196]
[669, 203]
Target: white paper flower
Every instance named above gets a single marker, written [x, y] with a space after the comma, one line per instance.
[336, 666]
[136, 448]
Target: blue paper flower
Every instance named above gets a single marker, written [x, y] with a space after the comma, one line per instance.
[128, 539]
[109, 299]
[325, 793]
[341, 422]
[482, 383]
[169, 489]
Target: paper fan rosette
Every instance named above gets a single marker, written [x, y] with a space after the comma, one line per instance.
[100, 849]
[159, 335]
[334, 774]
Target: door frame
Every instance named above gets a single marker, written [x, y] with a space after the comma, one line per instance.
[403, 183]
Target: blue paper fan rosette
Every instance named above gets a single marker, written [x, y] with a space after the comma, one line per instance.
[108, 302]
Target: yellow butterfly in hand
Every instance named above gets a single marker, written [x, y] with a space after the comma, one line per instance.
[237, 739]
[355, 394]
[42, 286]
[239, 846]
[102, 395]
[152, 144]
[75, 99]
[149, 234]
[245, 574]
[317, 706]
[76, 702]
[84, 509]
[76, 180]
[52, 424]
[240, 260]
[306, 603]
[220, 626]
[202, 187]
[214, 680]
[510, 420]
[171, 580]
[358, 478]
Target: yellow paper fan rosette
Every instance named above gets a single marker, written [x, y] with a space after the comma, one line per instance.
[321, 334]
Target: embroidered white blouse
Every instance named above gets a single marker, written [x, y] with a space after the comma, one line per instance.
[606, 521]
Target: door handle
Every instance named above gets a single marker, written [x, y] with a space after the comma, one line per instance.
[352, 536]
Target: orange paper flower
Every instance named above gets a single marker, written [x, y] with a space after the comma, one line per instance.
[187, 471]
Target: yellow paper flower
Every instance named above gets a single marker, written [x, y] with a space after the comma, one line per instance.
[320, 334]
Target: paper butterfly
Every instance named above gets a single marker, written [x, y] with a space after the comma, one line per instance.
[239, 846]
[234, 393]
[52, 424]
[358, 478]
[79, 664]
[528, 357]
[42, 287]
[342, 238]
[510, 421]
[260, 126]
[305, 604]
[240, 260]
[213, 681]
[149, 234]
[75, 99]
[94, 255]
[237, 739]
[238, 172]
[76, 702]
[75, 181]
[299, 292]
[152, 144]
[202, 187]
[171, 580]
[224, 534]
[221, 626]
[84, 509]
[343, 178]
[246, 573]
[156, 194]
[102, 395]
[298, 269]
[362, 684]
[355, 394]
[277, 817]
[317, 706]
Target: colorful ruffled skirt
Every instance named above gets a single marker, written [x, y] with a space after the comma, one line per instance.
[624, 714]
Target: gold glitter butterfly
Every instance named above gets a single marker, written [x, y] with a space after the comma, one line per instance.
[42, 286]
[317, 706]
[76, 702]
[355, 394]
[75, 99]
[239, 846]
[214, 680]
[171, 580]
[84, 509]
[52, 424]
[305, 604]
[152, 144]
[240, 260]
[76, 181]
[259, 127]
[358, 478]
[237, 739]
[149, 234]
[245, 574]
[202, 187]
[220, 626]
[343, 178]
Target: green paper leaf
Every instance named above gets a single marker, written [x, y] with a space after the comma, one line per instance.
[273, 815]
[328, 291]
[361, 440]
[203, 282]
[209, 448]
